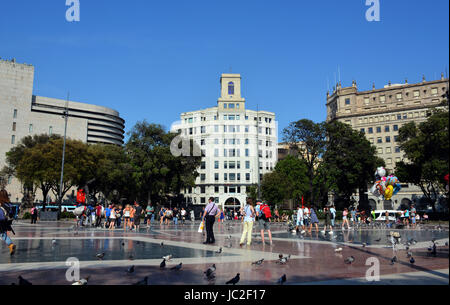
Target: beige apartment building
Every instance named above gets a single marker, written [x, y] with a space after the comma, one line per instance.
[238, 146]
[380, 113]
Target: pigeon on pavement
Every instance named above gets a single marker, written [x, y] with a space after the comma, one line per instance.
[177, 267]
[259, 262]
[412, 260]
[234, 280]
[338, 250]
[144, 282]
[219, 251]
[24, 282]
[282, 279]
[210, 272]
[130, 270]
[163, 264]
[100, 255]
[167, 257]
[82, 282]
[349, 260]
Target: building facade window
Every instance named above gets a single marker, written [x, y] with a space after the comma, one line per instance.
[14, 126]
[13, 139]
[231, 88]
[30, 128]
[15, 114]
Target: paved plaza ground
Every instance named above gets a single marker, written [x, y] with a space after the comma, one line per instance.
[314, 260]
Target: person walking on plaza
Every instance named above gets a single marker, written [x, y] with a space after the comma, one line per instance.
[263, 220]
[314, 219]
[211, 211]
[300, 222]
[345, 219]
[222, 216]
[112, 218]
[175, 216]
[183, 215]
[162, 212]
[333, 215]
[328, 217]
[98, 215]
[150, 210]
[249, 218]
[5, 218]
[353, 216]
[126, 217]
[132, 214]
[137, 216]
[306, 216]
[406, 218]
[34, 214]
[119, 212]
[107, 215]
[413, 213]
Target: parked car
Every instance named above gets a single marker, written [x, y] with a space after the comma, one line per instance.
[380, 215]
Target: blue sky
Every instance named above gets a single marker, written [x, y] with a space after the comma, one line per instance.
[155, 59]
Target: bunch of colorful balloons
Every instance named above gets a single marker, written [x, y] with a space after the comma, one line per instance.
[385, 186]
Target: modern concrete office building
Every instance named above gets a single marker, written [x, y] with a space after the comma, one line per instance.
[238, 146]
[380, 113]
[23, 114]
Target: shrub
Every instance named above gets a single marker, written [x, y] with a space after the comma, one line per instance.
[67, 215]
[26, 215]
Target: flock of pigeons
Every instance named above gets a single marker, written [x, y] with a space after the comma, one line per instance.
[210, 273]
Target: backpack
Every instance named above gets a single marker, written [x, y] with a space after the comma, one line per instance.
[10, 210]
[265, 211]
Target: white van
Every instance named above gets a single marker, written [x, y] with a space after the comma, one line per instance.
[380, 215]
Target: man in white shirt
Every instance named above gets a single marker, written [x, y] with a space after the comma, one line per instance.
[300, 220]
[306, 216]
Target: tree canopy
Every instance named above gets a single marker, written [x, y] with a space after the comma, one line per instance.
[426, 154]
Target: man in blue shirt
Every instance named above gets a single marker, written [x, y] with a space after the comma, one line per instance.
[107, 215]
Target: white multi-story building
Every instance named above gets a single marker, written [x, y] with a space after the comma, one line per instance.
[238, 146]
[24, 114]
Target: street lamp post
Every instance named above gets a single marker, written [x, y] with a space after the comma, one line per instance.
[257, 152]
[65, 116]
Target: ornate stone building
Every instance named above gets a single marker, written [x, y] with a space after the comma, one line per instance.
[379, 113]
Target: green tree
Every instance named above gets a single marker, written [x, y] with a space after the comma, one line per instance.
[349, 161]
[112, 172]
[426, 154]
[252, 192]
[14, 157]
[41, 165]
[156, 172]
[307, 139]
[289, 180]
